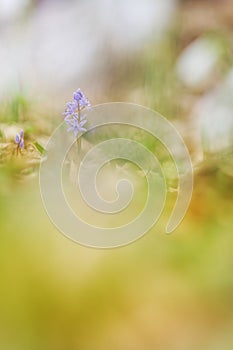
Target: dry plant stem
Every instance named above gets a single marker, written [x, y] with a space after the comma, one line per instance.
[18, 151]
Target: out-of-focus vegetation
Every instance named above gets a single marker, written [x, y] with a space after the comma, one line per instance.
[161, 292]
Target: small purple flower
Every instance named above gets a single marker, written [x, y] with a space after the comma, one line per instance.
[78, 95]
[71, 107]
[76, 126]
[81, 99]
[19, 139]
[73, 116]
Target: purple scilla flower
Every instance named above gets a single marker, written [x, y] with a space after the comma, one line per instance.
[73, 114]
[81, 99]
[71, 107]
[76, 126]
[19, 139]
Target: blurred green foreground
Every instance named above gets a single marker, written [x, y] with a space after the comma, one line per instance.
[161, 292]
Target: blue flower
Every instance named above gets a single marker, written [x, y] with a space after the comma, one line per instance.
[71, 107]
[76, 126]
[19, 139]
[72, 114]
[81, 99]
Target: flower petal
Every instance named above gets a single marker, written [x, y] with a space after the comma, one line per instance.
[17, 138]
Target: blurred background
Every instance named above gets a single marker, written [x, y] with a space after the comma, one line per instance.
[161, 292]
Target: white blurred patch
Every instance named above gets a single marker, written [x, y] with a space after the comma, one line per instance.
[213, 116]
[11, 9]
[64, 42]
[197, 62]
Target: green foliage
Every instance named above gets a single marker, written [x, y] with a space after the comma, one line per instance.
[16, 109]
[39, 148]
